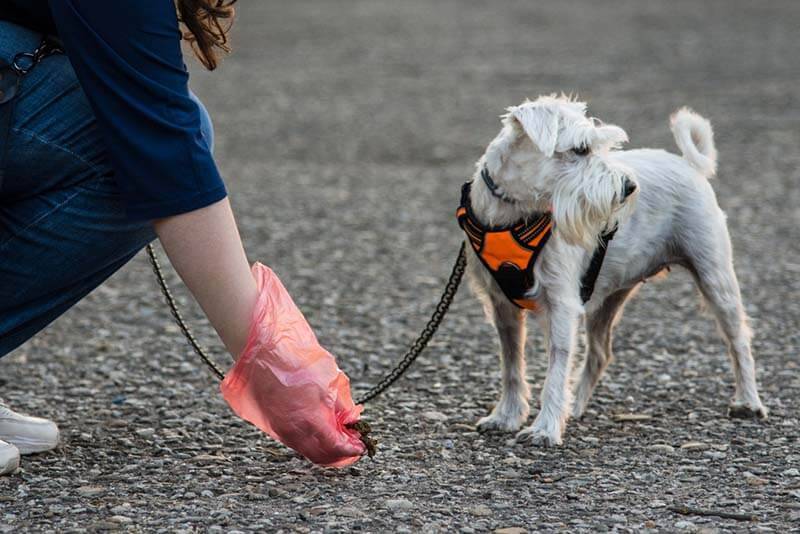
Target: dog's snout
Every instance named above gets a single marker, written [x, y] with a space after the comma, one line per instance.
[628, 188]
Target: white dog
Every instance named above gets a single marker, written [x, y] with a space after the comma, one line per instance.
[550, 158]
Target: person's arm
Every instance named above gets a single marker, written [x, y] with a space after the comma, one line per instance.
[205, 248]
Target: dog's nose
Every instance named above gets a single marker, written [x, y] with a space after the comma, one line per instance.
[628, 189]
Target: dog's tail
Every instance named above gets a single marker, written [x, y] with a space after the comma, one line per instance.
[695, 138]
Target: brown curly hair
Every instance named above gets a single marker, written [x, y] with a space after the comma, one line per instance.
[207, 23]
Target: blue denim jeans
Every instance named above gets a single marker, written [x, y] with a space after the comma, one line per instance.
[63, 229]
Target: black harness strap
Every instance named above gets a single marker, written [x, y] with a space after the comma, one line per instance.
[589, 278]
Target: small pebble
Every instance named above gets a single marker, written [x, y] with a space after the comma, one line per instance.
[398, 504]
[694, 446]
[662, 448]
[90, 491]
[480, 510]
[145, 432]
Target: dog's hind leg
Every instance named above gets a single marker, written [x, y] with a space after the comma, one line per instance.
[600, 323]
[712, 268]
[512, 409]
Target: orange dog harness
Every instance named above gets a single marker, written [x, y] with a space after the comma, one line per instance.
[509, 252]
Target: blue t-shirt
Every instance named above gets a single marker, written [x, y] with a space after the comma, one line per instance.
[128, 60]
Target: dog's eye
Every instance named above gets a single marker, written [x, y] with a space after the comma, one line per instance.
[581, 150]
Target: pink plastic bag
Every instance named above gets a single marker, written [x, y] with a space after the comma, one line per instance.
[290, 387]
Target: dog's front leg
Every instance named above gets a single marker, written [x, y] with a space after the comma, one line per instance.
[556, 399]
[512, 409]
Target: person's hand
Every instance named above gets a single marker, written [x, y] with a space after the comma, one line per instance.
[317, 430]
[289, 386]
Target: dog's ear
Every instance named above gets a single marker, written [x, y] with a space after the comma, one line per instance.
[609, 135]
[540, 123]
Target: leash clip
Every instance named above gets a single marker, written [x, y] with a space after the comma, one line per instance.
[24, 62]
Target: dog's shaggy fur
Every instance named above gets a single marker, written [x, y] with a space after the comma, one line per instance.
[539, 161]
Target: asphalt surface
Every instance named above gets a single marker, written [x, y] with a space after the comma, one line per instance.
[344, 130]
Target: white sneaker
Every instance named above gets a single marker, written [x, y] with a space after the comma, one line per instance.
[28, 434]
[9, 458]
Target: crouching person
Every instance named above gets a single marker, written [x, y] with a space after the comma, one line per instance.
[105, 149]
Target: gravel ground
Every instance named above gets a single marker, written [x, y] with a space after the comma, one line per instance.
[344, 129]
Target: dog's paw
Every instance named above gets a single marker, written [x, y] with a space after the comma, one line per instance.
[502, 421]
[739, 410]
[583, 393]
[538, 437]
[498, 423]
[578, 409]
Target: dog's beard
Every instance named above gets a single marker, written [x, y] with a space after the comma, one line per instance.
[589, 201]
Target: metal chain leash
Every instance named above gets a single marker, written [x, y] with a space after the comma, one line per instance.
[427, 333]
[390, 378]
